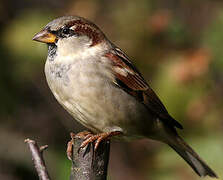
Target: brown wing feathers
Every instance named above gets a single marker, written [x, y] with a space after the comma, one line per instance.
[129, 78]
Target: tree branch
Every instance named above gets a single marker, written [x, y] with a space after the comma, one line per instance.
[88, 164]
[38, 159]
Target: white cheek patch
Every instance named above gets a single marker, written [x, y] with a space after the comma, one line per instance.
[73, 45]
[76, 48]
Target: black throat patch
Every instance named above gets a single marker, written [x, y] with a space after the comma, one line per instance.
[52, 51]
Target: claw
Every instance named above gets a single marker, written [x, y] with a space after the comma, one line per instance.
[88, 138]
[70, 147]
[98, 138]
[83, 135]
[70, 150]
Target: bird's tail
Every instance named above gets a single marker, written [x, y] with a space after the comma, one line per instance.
[191, 157]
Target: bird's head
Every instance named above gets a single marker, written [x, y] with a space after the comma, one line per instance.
[70, 33]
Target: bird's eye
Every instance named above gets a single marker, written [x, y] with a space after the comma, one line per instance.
[66, 30]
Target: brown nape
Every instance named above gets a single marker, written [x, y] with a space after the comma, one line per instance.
[89, 29]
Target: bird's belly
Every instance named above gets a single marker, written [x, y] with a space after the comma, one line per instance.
[99, 104]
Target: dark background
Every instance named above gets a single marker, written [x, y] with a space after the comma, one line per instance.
[176, 44]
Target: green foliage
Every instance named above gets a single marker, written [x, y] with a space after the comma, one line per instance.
[176, 45]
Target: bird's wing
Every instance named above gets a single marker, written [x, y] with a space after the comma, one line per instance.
[130, 80]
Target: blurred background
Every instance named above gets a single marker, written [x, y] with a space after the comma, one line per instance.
[176, 44]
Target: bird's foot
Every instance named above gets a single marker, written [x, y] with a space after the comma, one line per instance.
[97, 138]
[70, 147]
[88, 138]
[81, 135]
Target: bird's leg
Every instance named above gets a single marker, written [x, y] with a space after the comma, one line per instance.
[70, 146]
[89, 138]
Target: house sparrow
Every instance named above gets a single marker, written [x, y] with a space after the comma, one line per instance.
[98, 85]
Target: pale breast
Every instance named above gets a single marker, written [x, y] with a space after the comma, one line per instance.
[86, 90]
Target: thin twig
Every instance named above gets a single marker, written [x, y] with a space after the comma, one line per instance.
[38, 159]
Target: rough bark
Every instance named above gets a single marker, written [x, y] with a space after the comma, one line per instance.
[88, 164]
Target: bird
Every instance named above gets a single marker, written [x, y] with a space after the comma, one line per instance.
[95, 81]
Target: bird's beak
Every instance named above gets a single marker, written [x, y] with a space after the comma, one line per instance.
[45, 36]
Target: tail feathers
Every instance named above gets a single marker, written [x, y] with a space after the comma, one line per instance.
[192, 158]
